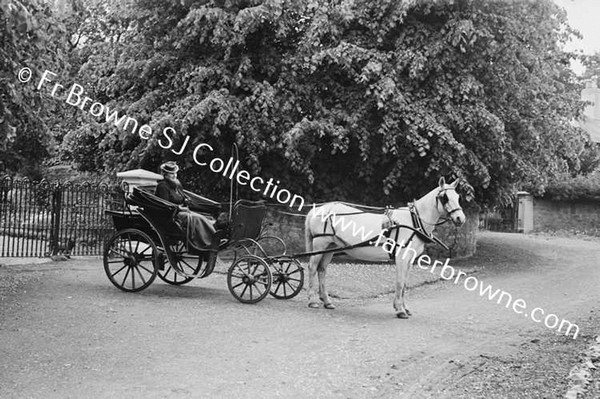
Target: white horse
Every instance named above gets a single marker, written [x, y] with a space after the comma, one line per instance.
[336, 225]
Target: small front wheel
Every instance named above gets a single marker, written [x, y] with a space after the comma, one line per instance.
[288, 278]
[249, 279]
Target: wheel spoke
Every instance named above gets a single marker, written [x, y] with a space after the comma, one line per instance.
[125, 278]
[115, 261]
[250, 291]
[244, 290]
[242, 270]
[278, 287]
[188, 265]
[294, 279]
[288, 267]
[129, 242]
[259, 291]
[143, 267]
[237, 285]
[137, 245]
[251, 268]
[118, 271]
[119, 253]
[140, 273]
[295, 271]
[264, 283]
[291, 286]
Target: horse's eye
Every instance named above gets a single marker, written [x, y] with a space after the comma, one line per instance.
[444, 199]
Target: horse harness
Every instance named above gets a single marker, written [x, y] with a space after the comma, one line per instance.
[417, 228]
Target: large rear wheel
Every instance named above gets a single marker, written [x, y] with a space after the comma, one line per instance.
[130, 257]
[249, 279]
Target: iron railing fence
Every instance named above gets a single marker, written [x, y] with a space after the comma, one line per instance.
[43, 218]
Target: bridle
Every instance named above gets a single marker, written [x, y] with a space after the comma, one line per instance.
[442, 197]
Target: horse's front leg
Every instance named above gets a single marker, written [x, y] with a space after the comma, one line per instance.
[402, 268]
[322, 270]
[313, 263]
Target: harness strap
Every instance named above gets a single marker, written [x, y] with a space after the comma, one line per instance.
[330, 250]
[417, 229]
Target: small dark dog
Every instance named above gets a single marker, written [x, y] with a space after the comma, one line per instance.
[62, 250]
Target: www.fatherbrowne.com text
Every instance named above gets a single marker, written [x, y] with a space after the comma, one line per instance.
[449, 273]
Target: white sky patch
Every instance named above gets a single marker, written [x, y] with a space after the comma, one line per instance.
[583, 15]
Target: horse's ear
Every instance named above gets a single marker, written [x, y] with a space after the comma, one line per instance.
[454, 184]
[442, 182]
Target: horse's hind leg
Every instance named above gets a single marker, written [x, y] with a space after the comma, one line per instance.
[322, 269]
[313, 264]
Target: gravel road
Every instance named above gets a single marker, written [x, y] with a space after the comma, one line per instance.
[66, 332]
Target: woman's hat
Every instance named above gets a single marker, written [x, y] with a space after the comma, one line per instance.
[169, 167]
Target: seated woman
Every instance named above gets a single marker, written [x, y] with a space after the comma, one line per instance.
[200, 231]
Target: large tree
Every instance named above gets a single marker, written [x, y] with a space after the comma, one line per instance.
[30, 36]
[365, 100]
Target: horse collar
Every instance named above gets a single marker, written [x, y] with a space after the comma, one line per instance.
[416, 218]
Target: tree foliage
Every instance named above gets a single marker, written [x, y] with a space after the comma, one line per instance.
[592, 67]
[365, 100]
[30, 36]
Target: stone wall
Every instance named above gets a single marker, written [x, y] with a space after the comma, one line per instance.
[287, 227]
[461, 240]
[571, 216]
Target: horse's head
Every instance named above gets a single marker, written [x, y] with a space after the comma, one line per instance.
[447, 201]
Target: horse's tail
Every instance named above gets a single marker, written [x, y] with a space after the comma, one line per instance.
[308, 237]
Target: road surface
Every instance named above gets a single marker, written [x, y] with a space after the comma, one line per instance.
[66, 332]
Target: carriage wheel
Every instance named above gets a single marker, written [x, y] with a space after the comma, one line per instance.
[189, 264]
[130, 257]
[288, 278]
[249, 279]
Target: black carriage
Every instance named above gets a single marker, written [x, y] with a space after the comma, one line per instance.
[149, 242]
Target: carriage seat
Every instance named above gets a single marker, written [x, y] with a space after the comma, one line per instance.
[159, 211]
[246, 219]
[162, 213]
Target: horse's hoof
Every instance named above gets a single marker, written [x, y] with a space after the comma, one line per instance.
[329, 306]
[314, 305]
[408, 312]
[402, 315]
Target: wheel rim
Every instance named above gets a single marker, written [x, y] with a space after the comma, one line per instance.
[186, 262]
[129, 260]
[288, 278]
[249, 279]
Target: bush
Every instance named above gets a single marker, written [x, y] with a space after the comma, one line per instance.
[575, 188]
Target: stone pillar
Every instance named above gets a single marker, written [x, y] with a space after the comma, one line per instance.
[524, 212]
